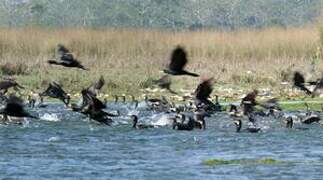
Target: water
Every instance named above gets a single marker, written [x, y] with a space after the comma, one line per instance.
[66, 145]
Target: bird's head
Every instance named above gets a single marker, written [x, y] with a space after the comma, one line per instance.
[238, 124]
[134, 119]
[289, 122]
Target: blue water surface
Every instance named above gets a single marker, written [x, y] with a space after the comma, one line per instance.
[66, 145]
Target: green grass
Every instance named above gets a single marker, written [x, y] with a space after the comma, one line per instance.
[301, 106]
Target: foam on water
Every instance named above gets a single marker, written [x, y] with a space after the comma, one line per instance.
[142, 106]
[50, 117]
[54, 139]
[161, 120]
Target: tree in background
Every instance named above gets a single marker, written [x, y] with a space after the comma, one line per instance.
[170, 14]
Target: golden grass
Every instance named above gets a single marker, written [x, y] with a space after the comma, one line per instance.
[128, 58]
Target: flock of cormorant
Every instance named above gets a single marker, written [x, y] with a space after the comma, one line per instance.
[200, 106]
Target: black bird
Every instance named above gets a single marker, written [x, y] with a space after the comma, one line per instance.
[124, 99]
[90, 100]
[93, 107]
[135, 125]
[95, 88]
[310, 117]
[116, 98]
[199, 118]
[234, 112]
[182, 126]
[252, 117]
[62, 50]
[87, 101]
[318, 87]
[177, 63]
[7, 84]
[165, 83]
[66, 59]
[202, 94]
[134, 102]
[15, 108]
[251, 129]
[217, 106]
[299, 82]
[271, 104]
[289, 122]
[54, 90]
[233, 108]
[100, 116]
[249, 102]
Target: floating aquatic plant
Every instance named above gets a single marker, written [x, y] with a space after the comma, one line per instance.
[218, 162]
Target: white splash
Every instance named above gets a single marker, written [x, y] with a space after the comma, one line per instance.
[54, 139]
[162, 120]
[50, 117]
[142, 106]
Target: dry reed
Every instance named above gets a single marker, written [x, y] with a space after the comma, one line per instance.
[128, 59]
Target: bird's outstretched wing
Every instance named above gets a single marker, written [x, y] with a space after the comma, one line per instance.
[299, 81]
[100, 83]
[14, 104]
[164, 83]
[68, 58]
[204, 89]
[178, 59]
[91, 101]
[97, 104]
[64, 54]
[318, 88]
[94, 88]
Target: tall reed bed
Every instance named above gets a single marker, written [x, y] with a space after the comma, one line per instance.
[129, 59]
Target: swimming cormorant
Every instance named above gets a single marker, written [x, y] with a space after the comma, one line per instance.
[251, 129]
[189, 126]
[135, 125]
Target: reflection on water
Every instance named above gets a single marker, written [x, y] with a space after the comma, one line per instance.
[66, 145]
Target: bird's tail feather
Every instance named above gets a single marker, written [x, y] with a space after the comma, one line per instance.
[84, 68]
[303, 88]
[52, 62]
[192, 74]
[171, 91]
